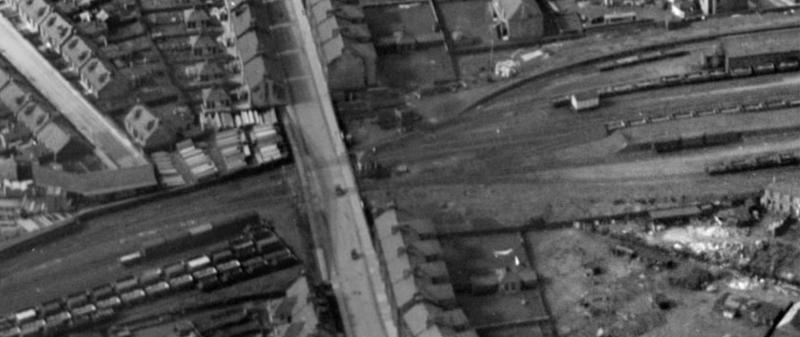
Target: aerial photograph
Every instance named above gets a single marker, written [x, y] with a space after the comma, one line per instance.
[399, 168]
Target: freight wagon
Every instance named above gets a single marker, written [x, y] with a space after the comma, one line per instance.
[753, 163]
[682, 143]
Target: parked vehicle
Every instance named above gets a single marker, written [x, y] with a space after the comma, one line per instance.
[133, 296]
[111, 302]
[157, 289]
[181, 282]
[125, 284]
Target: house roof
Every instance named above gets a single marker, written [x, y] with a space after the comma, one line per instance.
[431, 269]
[194, 14]
[56, 29]
[5, 76]
[404, 291]
[320, 10]
[204, 68]
[328, 29]
[77, 50]
[349, 12]
[202, 41]
[253, 43]
[152, 126]
[333, 48]
[14, 95]
[34, 115]
[97, 72]
[515, 10]
[248, 16]
[286, 307]
[355, 31]
[37, 10]
[419, 317]
[761, 43]
[96, 182]
[294, 329]
[214, 94]
[790, 188]
[55, 136]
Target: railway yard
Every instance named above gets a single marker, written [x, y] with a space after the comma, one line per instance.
[424, 168]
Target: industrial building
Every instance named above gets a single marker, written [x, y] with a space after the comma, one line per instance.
[782, 197]
[713, 7]
[753, 50]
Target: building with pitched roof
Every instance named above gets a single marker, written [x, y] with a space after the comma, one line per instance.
[196, 18]
[62, 140]
[96, 184]
[34, 115]
[751, 50]
[263, 83]
[782, 197]
[77, 51]
[204, 73]
[346, 45]
[420, 287]
[14, 94]
[99, 80]
[146, 128]
[517, 19]
[33, 12]
[55, 31]
[247, 16]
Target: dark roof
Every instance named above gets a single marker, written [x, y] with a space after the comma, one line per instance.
[194, 14]
[248, 16]
[252, 44]
[672, 213]
[761, 43]
[96, 182]
[520, 9]
[294, 329]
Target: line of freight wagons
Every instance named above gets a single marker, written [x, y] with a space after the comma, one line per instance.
[258, 253]
[686, 78]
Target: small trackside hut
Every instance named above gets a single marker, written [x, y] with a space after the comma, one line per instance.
[584, 100]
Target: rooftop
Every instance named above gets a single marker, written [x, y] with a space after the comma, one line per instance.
[96, 182]
[762, 43]
[791, 188]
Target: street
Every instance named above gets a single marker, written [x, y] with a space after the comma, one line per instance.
[115, 149]
[323, 162]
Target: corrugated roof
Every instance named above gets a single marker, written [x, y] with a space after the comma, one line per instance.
[762, 43]
[96, 182]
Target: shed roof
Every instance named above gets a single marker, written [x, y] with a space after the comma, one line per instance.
[519, 9]
[96, 182]
[762, 43]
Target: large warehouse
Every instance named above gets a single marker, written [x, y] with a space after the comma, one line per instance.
[751, 50]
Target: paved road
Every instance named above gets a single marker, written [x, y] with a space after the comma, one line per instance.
[322, 159]
[115, 149]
